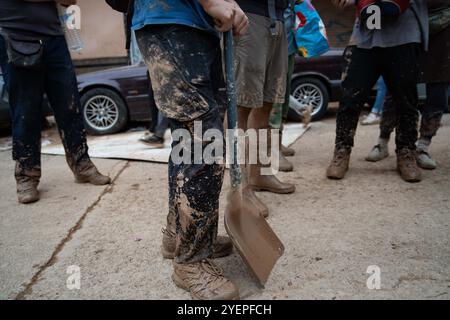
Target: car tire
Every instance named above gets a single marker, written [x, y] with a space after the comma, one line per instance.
[318, 94]
[104, 111]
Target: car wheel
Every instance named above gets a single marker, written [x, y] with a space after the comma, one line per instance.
[309, 92]
[104, 111]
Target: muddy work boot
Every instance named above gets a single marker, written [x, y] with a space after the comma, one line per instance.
[27, 182]
[407, 166]
[86, 172]
[204, 280]
[260, 182]
[222, 246]
[339, 164]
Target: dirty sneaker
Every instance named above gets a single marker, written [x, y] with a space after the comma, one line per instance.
[339, 164]
[204, 280]
[372, 118]
[153, 141]
[378, 152]
[222, 246]
[425, 161]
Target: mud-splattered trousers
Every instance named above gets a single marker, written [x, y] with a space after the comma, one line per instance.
[55, 77]
[435, 106]
[399, 67]
[185, 67]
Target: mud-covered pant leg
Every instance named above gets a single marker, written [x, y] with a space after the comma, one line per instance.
[184, 64]
[361, 71]
[62, 92]
[435, 106]
[388, 121]
[400, 73]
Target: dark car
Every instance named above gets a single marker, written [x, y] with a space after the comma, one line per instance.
[111, 98]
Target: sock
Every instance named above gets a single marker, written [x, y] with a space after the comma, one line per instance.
[423, 144]
[383, 142]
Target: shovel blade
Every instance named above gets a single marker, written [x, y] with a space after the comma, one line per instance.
[252, 236]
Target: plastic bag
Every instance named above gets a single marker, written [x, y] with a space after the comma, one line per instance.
[311, 35]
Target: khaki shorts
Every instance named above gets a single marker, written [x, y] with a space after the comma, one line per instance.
[261, 63]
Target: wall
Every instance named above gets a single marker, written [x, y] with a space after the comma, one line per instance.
[339, 22]
[102, 31]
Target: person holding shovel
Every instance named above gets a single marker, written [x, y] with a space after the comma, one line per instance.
[180, 43]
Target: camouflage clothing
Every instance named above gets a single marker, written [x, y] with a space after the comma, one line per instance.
[280, 110]
[185, 67]
[399, 67]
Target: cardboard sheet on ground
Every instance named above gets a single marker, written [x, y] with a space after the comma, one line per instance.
[126, 145]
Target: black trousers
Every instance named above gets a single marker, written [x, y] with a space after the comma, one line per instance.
[432, 111]
[399, 67]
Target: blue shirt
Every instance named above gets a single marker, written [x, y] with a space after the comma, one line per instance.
[289, 26]
[185, 12]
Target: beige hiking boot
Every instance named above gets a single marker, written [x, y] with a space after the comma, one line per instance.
[249, 196]
[284, 164]
[204, 280]
[222, 246]
[87, 172]
[27, 182]
[286, 151]
[339, 164]
[407, 166]
[269, 183]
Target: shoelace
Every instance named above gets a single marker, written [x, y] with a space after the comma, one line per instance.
[168, 232]
[409, 157]
[340, 156]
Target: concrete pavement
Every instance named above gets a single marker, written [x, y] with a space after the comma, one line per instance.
[333, 230]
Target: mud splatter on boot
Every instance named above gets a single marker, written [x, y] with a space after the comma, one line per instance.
[407, 165]
[86, 172]
[339, 164]
[204, 280]
[27, 181]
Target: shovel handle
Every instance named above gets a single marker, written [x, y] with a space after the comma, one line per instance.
[235, 172]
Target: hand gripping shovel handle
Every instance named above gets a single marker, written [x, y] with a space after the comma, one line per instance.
[235, 172]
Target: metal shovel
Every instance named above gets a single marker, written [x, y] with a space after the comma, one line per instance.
[252, 236]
